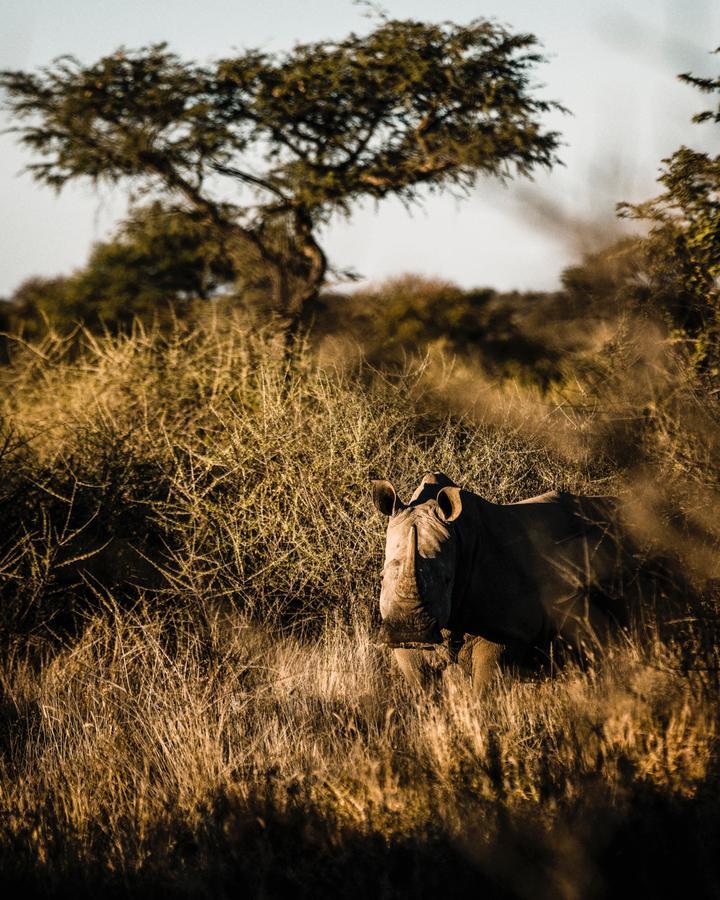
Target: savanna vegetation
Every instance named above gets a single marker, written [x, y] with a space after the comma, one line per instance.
[191, 700]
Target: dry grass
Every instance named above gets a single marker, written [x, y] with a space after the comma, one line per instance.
[191, 699]
[231, 476]
[204, 753]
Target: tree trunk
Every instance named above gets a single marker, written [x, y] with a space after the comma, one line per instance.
[301, 297]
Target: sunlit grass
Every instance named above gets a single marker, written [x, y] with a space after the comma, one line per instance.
[156, 740]
[192, 701]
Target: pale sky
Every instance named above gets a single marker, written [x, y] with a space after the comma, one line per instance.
[615, 70]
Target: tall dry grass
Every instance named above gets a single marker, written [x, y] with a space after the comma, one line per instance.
[205, 755]
[195, 461]
[191, 699]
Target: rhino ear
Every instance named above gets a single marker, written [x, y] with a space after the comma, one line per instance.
[449, 503]
[385, 497]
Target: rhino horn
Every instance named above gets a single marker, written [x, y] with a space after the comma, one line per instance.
[407, 580]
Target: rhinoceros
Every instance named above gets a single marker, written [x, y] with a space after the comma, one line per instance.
[496, 582]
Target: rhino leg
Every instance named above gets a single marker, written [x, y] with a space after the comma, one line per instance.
[482, 658]
[416, 667]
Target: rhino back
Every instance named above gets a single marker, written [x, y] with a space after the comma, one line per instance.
[495, 597]
[534, 556]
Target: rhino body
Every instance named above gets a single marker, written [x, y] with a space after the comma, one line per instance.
[497, 581]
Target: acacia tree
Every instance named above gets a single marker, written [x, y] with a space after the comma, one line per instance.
[268, 147]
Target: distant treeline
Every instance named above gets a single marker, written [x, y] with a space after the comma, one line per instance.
[163, 266]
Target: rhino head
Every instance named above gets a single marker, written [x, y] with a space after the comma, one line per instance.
[420, 556]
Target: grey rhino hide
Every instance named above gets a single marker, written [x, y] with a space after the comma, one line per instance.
[420, 561]
[499, 579]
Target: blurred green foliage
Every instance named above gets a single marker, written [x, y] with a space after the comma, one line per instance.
[159, 261]
[407, 315]
[682, 250]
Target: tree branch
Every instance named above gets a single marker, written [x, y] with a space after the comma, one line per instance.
[232, 172]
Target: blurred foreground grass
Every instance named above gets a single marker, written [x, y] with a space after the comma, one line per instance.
[200, 754]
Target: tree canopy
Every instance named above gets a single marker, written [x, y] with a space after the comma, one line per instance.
[267, 148]
[683, 248]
